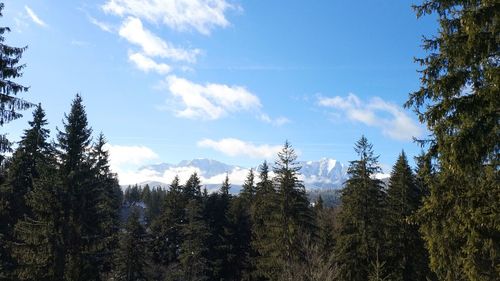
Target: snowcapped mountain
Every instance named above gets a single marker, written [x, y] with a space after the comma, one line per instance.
[322, 174]
[325, 173]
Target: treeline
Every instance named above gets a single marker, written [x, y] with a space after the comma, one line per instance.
[61, 210]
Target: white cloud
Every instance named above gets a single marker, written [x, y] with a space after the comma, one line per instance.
[280, 121]
[152, 45]
[147, 64]
[181, 15]
[394, 122]
[236, 176]
[122, 155]
[210, 101]
[235, 147]
[34, 17]
[102, 25]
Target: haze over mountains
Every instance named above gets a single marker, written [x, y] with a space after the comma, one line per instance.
[325, 173]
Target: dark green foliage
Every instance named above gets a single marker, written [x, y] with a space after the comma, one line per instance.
[459, 101]
[132, 195]
[263, 223]
[153, 200]
[406, 257]
[10, 105]
[192, 188]
[41, 250]
[281, 217]
[193, 251]
[70, 230]
[239, 237]
[295, 218]
[109, 196]
[324, 221]
[248, 189]
[33, 153]
[131, 258]
[359, 235]
[215, 214]
[10, 69]
[166, 230]
[330, 197]
[81, 227]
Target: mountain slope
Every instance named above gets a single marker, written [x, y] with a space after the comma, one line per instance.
[325, 173]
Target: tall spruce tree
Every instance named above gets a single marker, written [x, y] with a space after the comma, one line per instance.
[41, 251]
[166, 229]
[264, 224]
[33, 152]
[459, 101]
[108, 200]
[193, 251]
[192, 188]
[238, 241]
[10, 69]
[215, 214]
[359, 235]
[131, 257]
[407, 257]
[10, 105]
[80, 205]
[295, 218]
[248, 187]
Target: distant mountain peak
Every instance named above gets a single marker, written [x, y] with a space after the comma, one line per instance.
[320, 174]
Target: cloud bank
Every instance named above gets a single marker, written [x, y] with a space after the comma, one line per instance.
[390, 118]
[235, 147]
[181, 15]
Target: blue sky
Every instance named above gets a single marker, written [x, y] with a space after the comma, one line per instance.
[223, 79]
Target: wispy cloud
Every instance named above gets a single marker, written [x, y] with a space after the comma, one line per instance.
[147, 64]
[200, 15]
[34, 17]
[133, 30]
[235, 147]
[102, 25]
[210, 101]
[390, 118]
[279, 121]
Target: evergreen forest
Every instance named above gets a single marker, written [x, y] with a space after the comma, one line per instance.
[64, 216]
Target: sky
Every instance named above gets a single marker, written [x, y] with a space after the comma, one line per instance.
[229, 80]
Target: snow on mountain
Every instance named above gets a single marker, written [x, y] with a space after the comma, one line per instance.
[325, 173]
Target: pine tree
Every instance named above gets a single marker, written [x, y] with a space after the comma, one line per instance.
[80, 205]
[42, 247]
[295, 218]
[264, 223]
[10, 105]
[459, 100]
[166, 230]
[248, 188]
[193, 251]
[325, 228]
[359, 235]
[215, 213]
[131, 258]
[10, 69]
[192, 188]
[239, 236]
[406, 257]
[108, 192]
[33, 152]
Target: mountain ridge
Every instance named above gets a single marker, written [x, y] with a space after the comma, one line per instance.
[326, 173]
